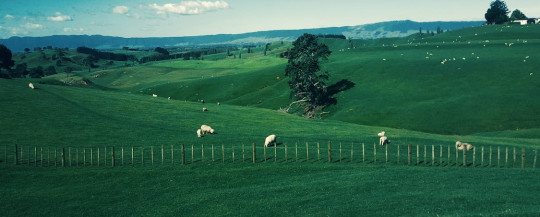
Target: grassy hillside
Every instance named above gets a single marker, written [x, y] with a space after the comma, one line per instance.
[485, 85]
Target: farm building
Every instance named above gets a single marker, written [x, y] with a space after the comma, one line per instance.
[521, 22]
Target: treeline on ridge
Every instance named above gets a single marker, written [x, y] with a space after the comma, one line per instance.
[105, 55]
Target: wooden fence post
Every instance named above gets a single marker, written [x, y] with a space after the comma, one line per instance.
[482, 165]
[409, 154]
[440, 157]
[506, 160]
[498, 157]
[490, 154]
[307, 151]
[223, 153]
[64, 157]
[523, 158]
[432, 155]
[162, 156]
[41, 153]
[464, 157]
[202, 152]
[98, 160]
[425, 155]
[151, 155]
[254, 154]
[244, 155]
[76, 156]
[374, 153]
[84, 157]
[448, 163]
[22, 157]
[104, 153]
[386, 152]
[329, 152]
[91, 157]
[69, 155]
[535, 156]
[363, 153]
[233, 153]
[122, 156]
[192, 154]
[340, 152]
[132, 156]
[286, 152]
[352, 150]
[213, 153]
[183, 153]
[474, 157]
[318, 152]
[5, 153]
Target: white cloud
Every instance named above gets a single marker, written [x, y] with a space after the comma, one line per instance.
[60, 18]
[120, 9]
[32, 26]
[8, 17]
[78, 30]
[189, 7]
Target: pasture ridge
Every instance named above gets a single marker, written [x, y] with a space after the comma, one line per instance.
[483, 157]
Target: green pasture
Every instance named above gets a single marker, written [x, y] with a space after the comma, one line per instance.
[488, 99]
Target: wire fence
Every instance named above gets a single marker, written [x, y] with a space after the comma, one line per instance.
[314, 152]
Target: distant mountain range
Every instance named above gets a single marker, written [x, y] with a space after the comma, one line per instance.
[368, 31]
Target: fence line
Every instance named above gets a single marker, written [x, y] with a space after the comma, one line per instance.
[44, 156]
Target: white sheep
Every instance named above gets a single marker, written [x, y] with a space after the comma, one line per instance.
[154, 95]
[204, 109]
[381, 134]
[169, 98]
[207, 129]
[269, 140]
[199, 133]
[462, 146]
[31, 85]
[384, 141]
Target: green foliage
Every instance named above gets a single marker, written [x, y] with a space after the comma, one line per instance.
[517, 15]
[497, 13]
[162, 51]
[5, 58]
[307, 84]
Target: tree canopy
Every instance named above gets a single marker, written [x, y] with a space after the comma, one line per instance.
[517, 15]
[308, 87]
[497, 13]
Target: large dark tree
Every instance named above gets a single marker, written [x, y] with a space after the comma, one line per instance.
[5, 58]
[517, 15]
[308, 87]
[497, 13]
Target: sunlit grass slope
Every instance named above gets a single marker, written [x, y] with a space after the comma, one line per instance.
[488, 82]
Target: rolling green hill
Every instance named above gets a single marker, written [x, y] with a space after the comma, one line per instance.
[485, 85]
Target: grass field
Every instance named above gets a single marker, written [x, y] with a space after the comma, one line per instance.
[488, 99]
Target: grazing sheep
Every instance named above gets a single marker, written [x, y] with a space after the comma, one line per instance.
[31, 85]
[207, 129]
[204, 109]
[461, 146]
[218, 103]
[384, 141]
[199, 133]
[154, 95]
[169, 98]
[202, 101]
[381, 134]
[269, 140]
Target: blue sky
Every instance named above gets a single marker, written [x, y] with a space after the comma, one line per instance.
[169, 18]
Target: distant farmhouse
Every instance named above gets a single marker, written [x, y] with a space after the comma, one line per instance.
[527, 21]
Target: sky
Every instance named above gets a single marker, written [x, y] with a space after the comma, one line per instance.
[175, 18]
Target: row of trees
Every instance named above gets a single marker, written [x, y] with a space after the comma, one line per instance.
[498, 13]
